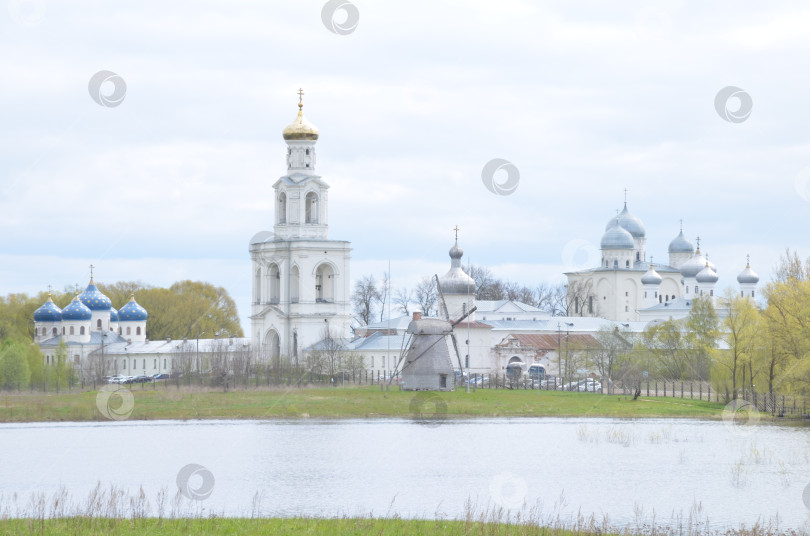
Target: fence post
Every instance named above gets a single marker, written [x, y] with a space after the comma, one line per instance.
[700, 388]
[656, 387]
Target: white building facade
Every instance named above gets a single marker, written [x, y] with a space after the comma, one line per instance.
[301, 279]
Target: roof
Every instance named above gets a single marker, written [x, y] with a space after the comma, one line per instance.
[176, 346]
[497, 306]
[96, 337]
[551, 341]
[638, 266]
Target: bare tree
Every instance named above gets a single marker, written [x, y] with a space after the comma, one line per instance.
[551, 298]
[327, 357]
[364, 297]
[581, 299]
[403, 299]
[425, 295]
[382, 294]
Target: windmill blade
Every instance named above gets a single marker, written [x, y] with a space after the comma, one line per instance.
[455, 347]
[465, 315]
[442, 304]
[402, 352]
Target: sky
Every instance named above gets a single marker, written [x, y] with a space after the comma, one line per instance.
[164, 172]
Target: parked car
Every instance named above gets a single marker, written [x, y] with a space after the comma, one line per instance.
[140, 379]
[588, 385]
[161, 376]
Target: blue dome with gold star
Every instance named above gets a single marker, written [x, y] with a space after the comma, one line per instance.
[113, 315]
[94, 299]
[132, 312]
[49, 312]
[76, 311]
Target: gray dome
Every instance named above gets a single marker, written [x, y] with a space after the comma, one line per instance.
[629, 223]
[681, 245]
[693, 266]
[707, 275]
[455, 281]
[617, 237]
[651, 277]
[748, 276]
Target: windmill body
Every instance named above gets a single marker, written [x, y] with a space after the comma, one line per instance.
[427, 365]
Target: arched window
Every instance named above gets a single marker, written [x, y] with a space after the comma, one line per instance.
[71, 330]
[81, 330]
[282, 208]
[55, 332]
[295, 282]
[615, 265]
[98, 323]
[696, 289]
[257, 286]
[590, 304]
[627, 264]
[274, 285]
[129, 330]
[311, 208]
[752, 293]
[63, 330]
[138, 332]
[324, 284]
[638, 256]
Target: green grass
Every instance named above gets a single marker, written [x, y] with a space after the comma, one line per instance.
[81, 526]
[355, 402]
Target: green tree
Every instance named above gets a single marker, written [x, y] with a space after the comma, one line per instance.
[742, 338]
[702, 332]
[14, 371]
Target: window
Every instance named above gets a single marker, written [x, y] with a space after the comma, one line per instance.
[626, 309]
[311, 208]
[615, 265]
[71, 330]
[645, 293]
[129, 330]
[55, 332]
[590, 304]
[742, 294]
[138, 330]
[372, 361]
[696, 289]
[660, 299]
[81, 330]
[627, 264]
[752, 293]
[711, 293]
[124, 365]
[282, 208]
[155, 364]
[443, 381]
[626, 293]
[656, 293]
[638, 256]
[144, 363]
[164, 362]
[98, 323]
[63, 330]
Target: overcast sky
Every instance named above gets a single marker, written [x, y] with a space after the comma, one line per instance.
[585, 99]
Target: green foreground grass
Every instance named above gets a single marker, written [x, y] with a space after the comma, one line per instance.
[337, 403]
[249, 527]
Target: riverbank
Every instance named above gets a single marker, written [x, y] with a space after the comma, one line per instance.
[336, 403]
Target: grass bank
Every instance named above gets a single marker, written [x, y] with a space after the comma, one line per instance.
[338, 403]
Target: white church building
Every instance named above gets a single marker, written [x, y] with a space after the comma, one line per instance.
[626, 287]
[301, 281]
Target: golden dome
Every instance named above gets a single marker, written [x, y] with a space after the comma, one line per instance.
[300, 129]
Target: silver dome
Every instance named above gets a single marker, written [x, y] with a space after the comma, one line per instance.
[617, 237]
[681, 245]
[693, 266]
[629, 223]
[455, 281]
[748, 276]
[651, 277]
[707, 275]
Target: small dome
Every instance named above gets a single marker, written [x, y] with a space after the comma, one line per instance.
[132, 312]
[629, 223]
[651, 277]
[748, 276]
[681, 245]
[76, 310]
[693, 266]
[113, 315]
[94, 299]
[49, 312]
[300, 129]
[707, 275]
[617, 238]
[455, 281]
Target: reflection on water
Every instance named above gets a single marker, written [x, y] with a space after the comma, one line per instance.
[627, 470]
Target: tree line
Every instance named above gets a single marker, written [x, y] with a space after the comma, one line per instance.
[371, 296]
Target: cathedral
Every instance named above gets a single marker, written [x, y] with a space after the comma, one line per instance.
[301, 285]
[86, 324]
[627, 287]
